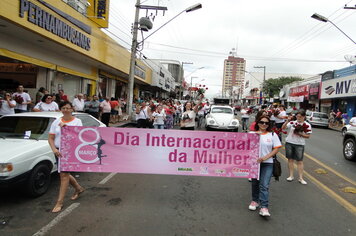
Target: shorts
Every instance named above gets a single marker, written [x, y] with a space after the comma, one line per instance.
[294, 151]
[114, 112]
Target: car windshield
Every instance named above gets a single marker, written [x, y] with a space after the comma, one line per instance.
[224, 110]
[21, 127]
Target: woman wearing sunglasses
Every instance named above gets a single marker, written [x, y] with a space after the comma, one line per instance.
[46, 104]
[269, 146]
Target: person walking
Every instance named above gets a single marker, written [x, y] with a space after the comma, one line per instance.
[7, 105]
[158, 117]
[279, 119]
[54, 138]
[188, 117]
[78, 103]
[269, 146]
[22, 99]
[40, 93]
[298, 131]
[106, 111]
[169, 110]
[245, 117]
[143, 114]
[46, 104]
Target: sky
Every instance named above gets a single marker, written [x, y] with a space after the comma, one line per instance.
[278, 34]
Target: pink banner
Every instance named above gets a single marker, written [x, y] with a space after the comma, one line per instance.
[153, 151]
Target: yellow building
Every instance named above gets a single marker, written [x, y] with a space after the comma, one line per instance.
[48, 43]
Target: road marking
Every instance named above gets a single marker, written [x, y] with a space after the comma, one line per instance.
[107, 178]
[346, 204]
[56, 220]
[329, 168]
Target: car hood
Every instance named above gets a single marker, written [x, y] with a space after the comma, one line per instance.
[222, 118]
[12, 148]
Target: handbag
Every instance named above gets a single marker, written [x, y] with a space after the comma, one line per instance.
[277, 169]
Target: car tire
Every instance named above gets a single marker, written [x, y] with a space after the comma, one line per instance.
[343, 131]
[349, 149]
[39, 180]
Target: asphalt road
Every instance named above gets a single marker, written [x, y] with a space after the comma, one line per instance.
[132, 204]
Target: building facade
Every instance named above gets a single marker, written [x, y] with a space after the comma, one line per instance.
[51, 44]
[233, 77]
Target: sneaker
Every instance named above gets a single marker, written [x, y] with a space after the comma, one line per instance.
[290, 179]
[264, 212]
[253, 206]
[302, 181]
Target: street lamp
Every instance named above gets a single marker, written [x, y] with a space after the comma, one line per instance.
[324, 19]
[263, 83]
[135, 44]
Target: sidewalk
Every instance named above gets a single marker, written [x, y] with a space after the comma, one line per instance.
[124, 122]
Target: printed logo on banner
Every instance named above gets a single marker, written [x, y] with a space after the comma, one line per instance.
[240, 172]
[204, 170]
[89, 151]
[185, 169]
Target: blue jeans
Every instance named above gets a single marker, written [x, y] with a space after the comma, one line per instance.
[158, 126]
[245, 123]
[260, 187]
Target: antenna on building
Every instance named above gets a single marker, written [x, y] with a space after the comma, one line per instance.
[350, 58]
[233, 52]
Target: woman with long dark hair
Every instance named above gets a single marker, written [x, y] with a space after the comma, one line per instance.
[188, 116]
[269, 146]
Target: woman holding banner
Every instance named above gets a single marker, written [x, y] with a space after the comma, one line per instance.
[54, 138]
[269, 146]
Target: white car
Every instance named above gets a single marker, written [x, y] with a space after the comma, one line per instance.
[221, 118]
[26, 157]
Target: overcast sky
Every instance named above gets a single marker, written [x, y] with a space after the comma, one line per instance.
[278, 34]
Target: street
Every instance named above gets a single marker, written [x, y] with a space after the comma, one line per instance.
[132, 204]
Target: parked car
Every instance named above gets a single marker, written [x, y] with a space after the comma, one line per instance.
[222, 118]
[349, 145]
[344, 129]
[317, 118]
[26, 157]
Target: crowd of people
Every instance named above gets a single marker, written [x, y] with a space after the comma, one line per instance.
[270, 123]
[106, 109]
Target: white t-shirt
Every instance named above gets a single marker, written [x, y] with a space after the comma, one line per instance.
[53, 106]
[78, 104]
[353, 121]
[56, 129]
[244, 114]
[26, 98]
[6, 109]
[190, 116]
[268, 141]
[281, 114]
[106, 106]
[159, 118]
[293, 138]
[143, 114]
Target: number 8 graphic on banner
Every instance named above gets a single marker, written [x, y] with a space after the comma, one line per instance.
[85, 143]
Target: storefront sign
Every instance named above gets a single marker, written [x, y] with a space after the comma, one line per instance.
[339, 87]
[47, 21]
[98, 11]
[295, 99]
[18, 68]
[302, 90]
[314, 91]
[151, 151]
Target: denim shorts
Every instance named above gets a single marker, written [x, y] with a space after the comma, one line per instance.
[294, 151]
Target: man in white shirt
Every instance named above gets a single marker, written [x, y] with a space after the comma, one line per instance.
[245, 116]
[78, 103]
[22, 99]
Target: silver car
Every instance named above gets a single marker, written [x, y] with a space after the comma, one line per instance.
[317, 118]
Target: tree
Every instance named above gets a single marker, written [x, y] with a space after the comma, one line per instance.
[272, 86]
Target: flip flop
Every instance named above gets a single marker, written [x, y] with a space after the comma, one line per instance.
[77, 194]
